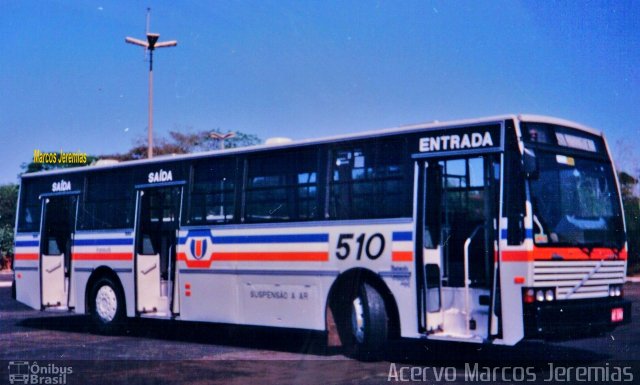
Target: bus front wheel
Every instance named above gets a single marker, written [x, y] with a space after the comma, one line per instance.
[107, 306]
[365, 323]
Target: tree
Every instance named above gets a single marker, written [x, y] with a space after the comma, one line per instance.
[8, 204]
[29, 167]
[180, 142]
[631, 205]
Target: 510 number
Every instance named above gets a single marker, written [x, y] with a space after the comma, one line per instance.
[373, 247]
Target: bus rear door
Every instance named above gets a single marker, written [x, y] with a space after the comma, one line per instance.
[56, 234]
[156, 242]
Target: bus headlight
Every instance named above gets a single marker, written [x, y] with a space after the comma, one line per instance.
[615, 290]
[539, 294]
[549, 295]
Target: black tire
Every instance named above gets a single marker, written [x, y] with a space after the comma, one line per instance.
[107, 306]
[364, 324]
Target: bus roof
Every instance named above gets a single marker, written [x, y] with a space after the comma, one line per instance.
[305, 142]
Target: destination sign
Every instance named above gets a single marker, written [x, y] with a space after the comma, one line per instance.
[460, 139]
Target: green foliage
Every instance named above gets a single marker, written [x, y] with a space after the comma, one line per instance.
[8, 203]
[184, 142]
[29, 167]
[631, 205]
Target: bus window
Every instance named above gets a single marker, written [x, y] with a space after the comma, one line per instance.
[368, 181]
[282, 186]
[212, 196]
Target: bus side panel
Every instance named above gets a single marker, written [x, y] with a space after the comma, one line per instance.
[274, 275]
[27, 269]
[208, 296]
[94, 250]
[283, 301]
[80, 279]
[403, 289]
[511, 293]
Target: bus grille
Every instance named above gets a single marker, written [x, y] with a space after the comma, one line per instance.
[579, 279]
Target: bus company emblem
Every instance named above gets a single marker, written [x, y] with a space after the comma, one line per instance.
[198, 248]
[160, 176]
[63, 185]
[456, 142]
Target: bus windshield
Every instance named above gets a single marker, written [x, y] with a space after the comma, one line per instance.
[575, 202]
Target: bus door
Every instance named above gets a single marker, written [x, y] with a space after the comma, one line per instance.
[156, 241]
[56, 235]
[458, 220]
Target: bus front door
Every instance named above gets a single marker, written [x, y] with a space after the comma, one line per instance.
[460, 201]
[156, 241]
[56, 241]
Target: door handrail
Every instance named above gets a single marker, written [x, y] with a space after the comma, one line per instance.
[467, 243]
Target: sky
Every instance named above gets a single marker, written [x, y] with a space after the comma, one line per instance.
[307, 69]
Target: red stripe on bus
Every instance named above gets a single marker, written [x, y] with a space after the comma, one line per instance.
[567, 254]
[517, 256]
[308, 256]
[402, 256]
[26, 257]
[102, 257]
[576, 253]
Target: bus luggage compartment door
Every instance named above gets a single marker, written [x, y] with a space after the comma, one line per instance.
[54, 285]
[148, 285]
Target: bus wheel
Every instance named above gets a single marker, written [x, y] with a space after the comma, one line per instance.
[107, 306]
[367, 324]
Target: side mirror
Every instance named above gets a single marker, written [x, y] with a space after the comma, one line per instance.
[530, 164]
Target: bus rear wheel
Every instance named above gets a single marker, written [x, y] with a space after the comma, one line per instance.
[365, 323]
[107, 306]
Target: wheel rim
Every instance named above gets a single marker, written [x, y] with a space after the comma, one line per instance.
[106, 303]
[357, 319]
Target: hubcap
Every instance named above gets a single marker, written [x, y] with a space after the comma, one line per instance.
[357, 319]
[106, 303]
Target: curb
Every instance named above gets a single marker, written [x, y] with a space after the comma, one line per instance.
[634, 279]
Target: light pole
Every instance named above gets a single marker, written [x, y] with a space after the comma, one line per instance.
[221, 137]
[151, 44]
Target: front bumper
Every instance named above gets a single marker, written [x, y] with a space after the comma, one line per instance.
[574, 316]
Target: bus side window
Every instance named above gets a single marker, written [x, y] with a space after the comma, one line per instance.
[433, 197]
[514, 192]
[368, 180]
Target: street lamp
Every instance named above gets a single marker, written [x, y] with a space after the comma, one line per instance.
[221, 137]
[151, 44]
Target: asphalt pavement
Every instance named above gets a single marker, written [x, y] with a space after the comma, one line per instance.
[157, 351]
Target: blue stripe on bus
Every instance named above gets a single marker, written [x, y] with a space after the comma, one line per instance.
[25, 268]
[199, 233]
[528, 233]
[27, 243]
[395, 274]
[91, 269]
[104, 242]
[279, 238]
[307, 273]
[403, 236]
[249, 239]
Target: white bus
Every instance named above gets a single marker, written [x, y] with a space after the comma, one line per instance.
[487, 231]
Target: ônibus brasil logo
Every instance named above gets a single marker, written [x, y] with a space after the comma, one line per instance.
[25, 372]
